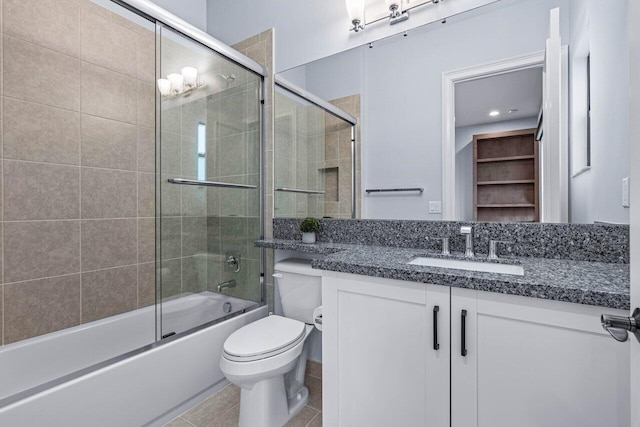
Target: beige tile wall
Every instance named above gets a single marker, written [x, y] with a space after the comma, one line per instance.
[299, 157]
[78, 111]
[260, 48]
[339, 160]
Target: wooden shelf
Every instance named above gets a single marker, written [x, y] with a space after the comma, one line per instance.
[505, 176]
[505, 159]
[509, 205]
[515, 181]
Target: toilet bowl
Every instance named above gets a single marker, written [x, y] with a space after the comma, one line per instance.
[267, 358]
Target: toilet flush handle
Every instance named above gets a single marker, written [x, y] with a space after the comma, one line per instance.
[277, 275]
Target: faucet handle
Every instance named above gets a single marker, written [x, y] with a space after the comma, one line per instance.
[493, 247]
[445, 244]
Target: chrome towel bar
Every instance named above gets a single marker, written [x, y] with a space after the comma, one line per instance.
[299, 190]
[393, 190]
[210, 183]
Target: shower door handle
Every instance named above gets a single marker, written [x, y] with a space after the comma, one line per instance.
[210, 183]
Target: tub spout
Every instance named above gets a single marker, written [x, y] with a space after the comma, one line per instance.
[225, 285]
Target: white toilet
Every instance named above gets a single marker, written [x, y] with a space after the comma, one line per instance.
[267, 358]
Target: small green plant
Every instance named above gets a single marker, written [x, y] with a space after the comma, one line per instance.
[310, 225]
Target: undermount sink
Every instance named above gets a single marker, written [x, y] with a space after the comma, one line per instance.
[459, 264]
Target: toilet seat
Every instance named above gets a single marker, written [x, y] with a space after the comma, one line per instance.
[265, 338]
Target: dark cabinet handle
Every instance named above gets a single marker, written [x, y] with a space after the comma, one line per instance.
[463, 318]
[436, 345]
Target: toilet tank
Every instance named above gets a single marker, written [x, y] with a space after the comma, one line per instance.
[300, 288]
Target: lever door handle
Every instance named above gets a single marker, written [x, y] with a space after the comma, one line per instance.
[620, 326]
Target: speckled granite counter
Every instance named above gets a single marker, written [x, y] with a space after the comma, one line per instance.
[582, 282]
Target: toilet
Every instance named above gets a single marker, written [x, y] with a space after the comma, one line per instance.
[267, 358]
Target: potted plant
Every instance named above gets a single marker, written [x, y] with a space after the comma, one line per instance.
[309, 227]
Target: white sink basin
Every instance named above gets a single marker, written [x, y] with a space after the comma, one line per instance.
[458, 264]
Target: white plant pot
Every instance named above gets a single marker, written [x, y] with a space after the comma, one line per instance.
[308, 237]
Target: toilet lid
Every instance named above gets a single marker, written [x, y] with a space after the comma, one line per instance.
[264, 338]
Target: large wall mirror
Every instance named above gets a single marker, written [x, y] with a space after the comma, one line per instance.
[516, 111]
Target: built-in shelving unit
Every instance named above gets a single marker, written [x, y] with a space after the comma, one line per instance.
[505, 176]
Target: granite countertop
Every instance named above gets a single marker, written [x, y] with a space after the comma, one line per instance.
[582, 282]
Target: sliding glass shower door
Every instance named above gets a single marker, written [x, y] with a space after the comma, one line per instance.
[209, 185]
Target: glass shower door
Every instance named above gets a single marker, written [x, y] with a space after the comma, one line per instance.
[210, 189]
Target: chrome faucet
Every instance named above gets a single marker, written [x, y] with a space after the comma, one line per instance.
[225, 285]
[467, 231]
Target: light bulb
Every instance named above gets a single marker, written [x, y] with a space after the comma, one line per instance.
[190, 75]
[177, 82]
[164, 86]
[355, 9]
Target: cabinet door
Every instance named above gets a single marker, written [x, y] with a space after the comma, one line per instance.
[378, 353]
[532, 362]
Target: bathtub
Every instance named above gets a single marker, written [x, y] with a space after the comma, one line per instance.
[78, 377]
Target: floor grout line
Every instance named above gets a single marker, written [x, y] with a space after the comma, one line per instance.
[318, 414]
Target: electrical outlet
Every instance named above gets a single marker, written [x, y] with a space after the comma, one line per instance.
[625, 192]
[435, 207]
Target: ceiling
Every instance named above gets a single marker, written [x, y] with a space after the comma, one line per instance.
[521, 90]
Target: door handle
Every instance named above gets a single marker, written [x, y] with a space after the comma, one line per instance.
[620, 326]
[436, 345]
[463, 327]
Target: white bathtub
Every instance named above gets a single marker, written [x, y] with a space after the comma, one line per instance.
[147, 388]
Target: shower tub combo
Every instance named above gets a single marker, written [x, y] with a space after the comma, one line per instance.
[147, 365]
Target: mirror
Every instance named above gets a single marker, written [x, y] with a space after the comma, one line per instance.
[516, 111]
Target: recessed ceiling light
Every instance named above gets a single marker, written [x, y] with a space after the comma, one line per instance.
[494, 113]
[513, 110]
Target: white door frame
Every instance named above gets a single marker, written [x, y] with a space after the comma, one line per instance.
[634, 214]
[449, 80]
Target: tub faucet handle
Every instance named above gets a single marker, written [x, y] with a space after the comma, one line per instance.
[493, 247]
[445, 244]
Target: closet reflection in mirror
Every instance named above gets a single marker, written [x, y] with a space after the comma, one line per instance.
[527, 122]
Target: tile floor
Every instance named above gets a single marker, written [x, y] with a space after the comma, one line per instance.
[223, 408]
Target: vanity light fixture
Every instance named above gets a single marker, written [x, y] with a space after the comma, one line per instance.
[494, 113]
[180, 84]
[356, 11]
[395, 16]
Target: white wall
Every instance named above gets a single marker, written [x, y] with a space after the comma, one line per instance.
[400, 81]
[464, 159]
[192, 11]
[307, 30]
[596, 195]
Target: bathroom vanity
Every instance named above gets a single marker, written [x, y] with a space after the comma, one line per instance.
[492, 358]
[406, 343]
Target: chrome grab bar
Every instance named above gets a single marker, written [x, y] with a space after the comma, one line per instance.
[209, 183]
[299, 190]
[393, 190]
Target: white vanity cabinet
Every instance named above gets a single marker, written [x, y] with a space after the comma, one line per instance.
[528, 362]
[378, 355]
[533, 362]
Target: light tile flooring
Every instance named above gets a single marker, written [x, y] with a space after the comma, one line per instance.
[223, 408]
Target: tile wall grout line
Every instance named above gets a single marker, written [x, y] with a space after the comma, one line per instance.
[70, 165]
[79, 112]
[2, 162]
[80, 157]
[78, 58]
[16, 282]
